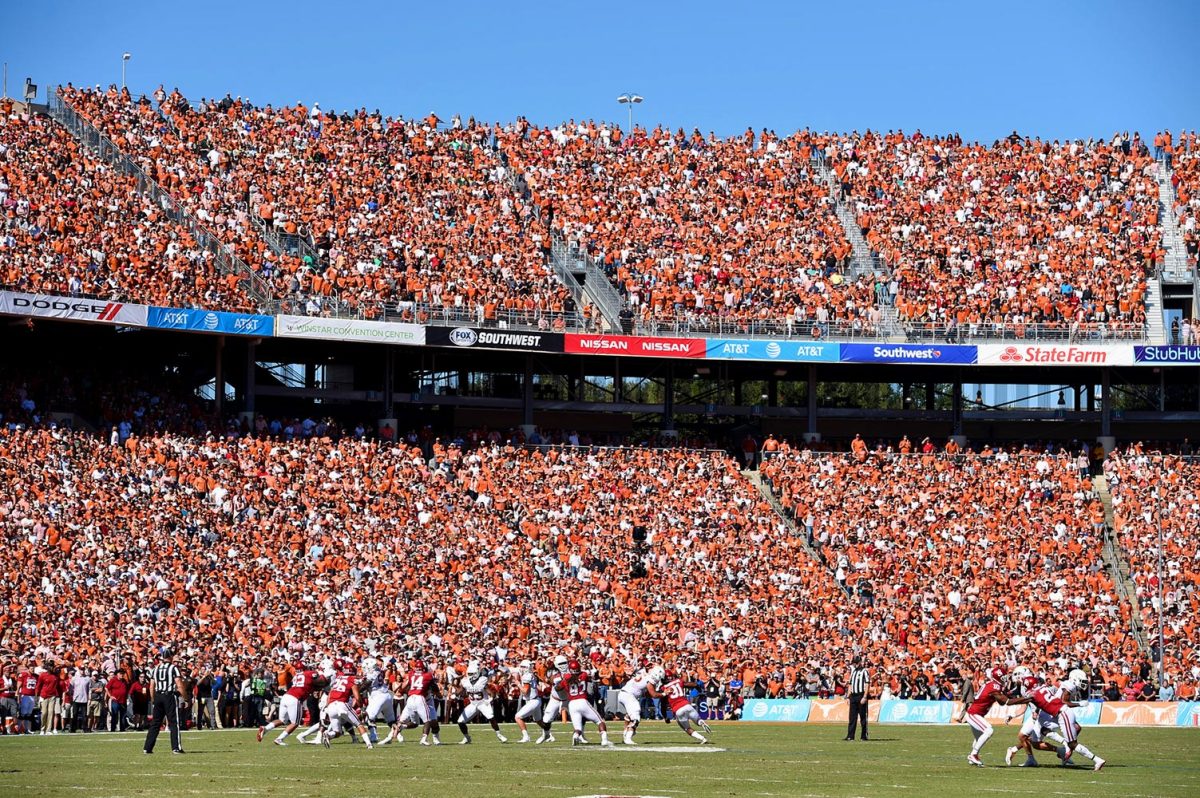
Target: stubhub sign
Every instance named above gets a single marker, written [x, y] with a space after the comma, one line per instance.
[214, 321]
[788, 351]
[909, 353]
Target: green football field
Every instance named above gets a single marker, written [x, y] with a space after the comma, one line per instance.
[744, 760]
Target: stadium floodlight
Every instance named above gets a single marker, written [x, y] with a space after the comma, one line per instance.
[124, 60]
[630, 100]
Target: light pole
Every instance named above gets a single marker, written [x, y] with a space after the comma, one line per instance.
[630, 100]
[124, 60]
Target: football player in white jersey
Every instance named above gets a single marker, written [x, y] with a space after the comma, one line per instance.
[554, 695]
[531, 698]
[380, 701]
[479, 697]
[629, 700]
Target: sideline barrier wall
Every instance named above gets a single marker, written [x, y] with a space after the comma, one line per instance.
[837, 710]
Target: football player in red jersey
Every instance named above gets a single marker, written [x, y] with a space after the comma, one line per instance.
[1055, 705]
[579, 708]
[419, 707]
[675, 691]
[26, 697]
[291, 705]
[990, 692]
[339, 711]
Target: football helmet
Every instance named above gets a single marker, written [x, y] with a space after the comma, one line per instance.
[1028, 684]
[996, 674]
[561, 662]
[472, 669]
[574, 667]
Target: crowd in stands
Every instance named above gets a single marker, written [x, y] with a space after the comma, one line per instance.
[406, 216]
[1182, 155]
[694, 229]
[996, 551]
[1020, 233]
[243, 549]
[71, 224]
[1156, 506]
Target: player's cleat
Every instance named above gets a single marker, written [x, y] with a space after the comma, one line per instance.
[465, 741]
[279, 742]
[975, 760]
[524, 738]
[630, 741]
[437, 740]
[1009, 754]
[261, 731]
[606, 743]
[425, 741]
[325, 738]
[541, 740]
[1099, 763]
[501, 737]
[1030, 763]
[702, 740]
[706, 727]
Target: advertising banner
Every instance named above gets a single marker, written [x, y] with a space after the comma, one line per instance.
[492, 338]
[787, 351]
[1166, 355]
[635, 345]
[376, 332]
[717, 710]
[1054, 355]
[904, 711]
[781, 710]
[927, 354]
[211, 321]
[1138, 713]
[837, 710]
[1187, 713]
[72, 308]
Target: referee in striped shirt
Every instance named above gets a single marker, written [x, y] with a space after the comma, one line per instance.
[166, 687]
[860, 682]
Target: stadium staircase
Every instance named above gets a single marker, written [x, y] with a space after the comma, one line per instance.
[588, 284]
[765, 490]
[1156, 331]
[863, 260]
[1175, 268]
[1118, 566]
[106, 150]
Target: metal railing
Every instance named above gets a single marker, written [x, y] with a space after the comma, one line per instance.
[426, 313]
[91, 137]
[1006, 332]
[597, 283]
[717, 326]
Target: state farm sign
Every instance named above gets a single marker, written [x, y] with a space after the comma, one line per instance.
[635, 345]
[1055, 355]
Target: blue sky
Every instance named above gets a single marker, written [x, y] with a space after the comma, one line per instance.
[1058, 69]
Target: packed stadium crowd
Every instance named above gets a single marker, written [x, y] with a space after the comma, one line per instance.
[1156, 505]
[405, 214]
[1024, 232]
[429, 220]
[244, 551]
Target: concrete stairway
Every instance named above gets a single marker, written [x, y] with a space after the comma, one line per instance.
[755, 479]
[1156, 332]
[1175, 269]
[1118, 566]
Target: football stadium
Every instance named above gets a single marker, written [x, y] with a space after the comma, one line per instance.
[817, 423]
